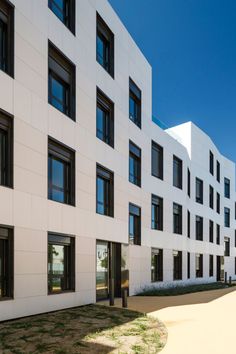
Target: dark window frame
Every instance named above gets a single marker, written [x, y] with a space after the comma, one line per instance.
[227, 247]
[189, 183]
[7, 21]
[218, 202]
[177, 219]
[107, 37]
[107, 107]
[63, 71]
[7, 149]
[199, 267]
[68, 12]
[218, 234]
[177, 172]
[64, 154]
[211, 163]
[211, 231]
[218, 171]
[188, 265]
[157, 209]
[136, 213]
[68, 278]
[227, 188]
[199, 190]
[107, 176]
[136, 95]
[7, 262]
[227, 217]
[211, 265]
[135, 153]
[177, 265]
[199, 228]
[156, 265]
[188, 224]
[157, 166]
[211, 197]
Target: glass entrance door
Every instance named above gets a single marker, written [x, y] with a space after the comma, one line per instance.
[102, 273]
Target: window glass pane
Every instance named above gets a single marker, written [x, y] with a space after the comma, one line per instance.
[57, 7]
[100, 50]
[100, 123]
[58, 173]
[102, 270]
[100, 196]
[57, 94]
[56, 266]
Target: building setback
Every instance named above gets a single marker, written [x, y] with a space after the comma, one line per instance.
[90, 185]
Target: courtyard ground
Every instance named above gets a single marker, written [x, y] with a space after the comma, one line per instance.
[197, 323]
[89, 329]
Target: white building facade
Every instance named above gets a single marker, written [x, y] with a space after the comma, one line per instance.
[91, 188]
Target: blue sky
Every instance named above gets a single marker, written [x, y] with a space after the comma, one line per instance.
[191, 45]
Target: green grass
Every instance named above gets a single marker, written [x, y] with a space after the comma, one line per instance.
[181, 290]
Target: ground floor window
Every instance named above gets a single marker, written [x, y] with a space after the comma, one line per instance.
[61, 263]
[211, 265]
[157, 265]
[6, 263]
[177, 274]
[199, 265]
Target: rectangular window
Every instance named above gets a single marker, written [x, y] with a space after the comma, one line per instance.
[218, 171]
[157, 265]
[61, 263]
[157, 213]
[134, 164]
[227, 217]
[177, 172]
[235, 238]
[105, 118]
[189, 183]
[61, 82]
[211, 265]
[177, 267]
[211, 197]
[227, 246]
[105, 192]
[227, 188]
[6, 150]
[177, 219]
[218, 234]
[199, 191]
[61, 173]
[134, 225]
[135, 103]
[157, 160]
[199, 265]
[7, 37]
[199, 228]
[65, 11]
[218, 202]
[188, 265]
[211, 231]
[6, 263]
[188, 224]
[211, 163]
[105, 46]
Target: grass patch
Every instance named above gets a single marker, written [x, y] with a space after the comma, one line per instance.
[181, 290]
[88, 329]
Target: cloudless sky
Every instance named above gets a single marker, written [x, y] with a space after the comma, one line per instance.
[191, 46]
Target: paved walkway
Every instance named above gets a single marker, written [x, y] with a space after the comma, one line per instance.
[201, 323]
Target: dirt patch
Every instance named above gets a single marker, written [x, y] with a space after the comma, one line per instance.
[88, 329]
